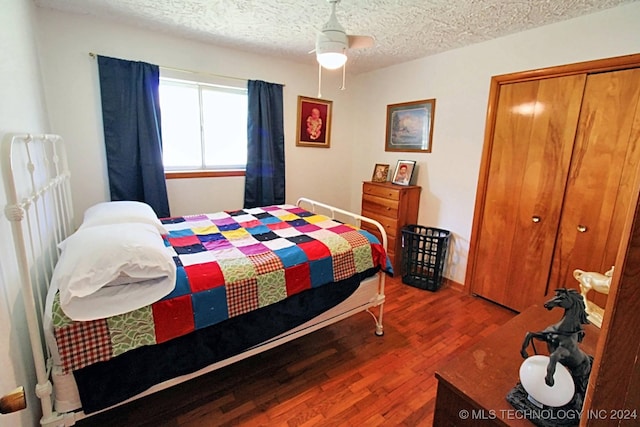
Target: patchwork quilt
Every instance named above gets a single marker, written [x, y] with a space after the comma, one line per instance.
[228, 263]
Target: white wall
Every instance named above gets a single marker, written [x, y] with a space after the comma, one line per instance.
[459, 81]
[72, 93]
[21, 109]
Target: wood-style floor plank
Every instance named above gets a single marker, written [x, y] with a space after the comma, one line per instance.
[342, 375]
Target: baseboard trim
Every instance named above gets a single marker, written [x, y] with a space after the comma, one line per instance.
[452, 284]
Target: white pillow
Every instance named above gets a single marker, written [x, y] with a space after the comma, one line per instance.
[107, 270]
[120, 212]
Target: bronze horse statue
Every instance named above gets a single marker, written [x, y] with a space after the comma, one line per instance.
[562, 339]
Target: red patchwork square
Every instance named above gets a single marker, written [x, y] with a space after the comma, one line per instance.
[315, 250]
[251, 224]
[355, 239]
[173, 318]
[344, 266]
[184, 241]
[242, 296]
[82, 343]
[266, 262]
[298, 278]
[278, 225]
[204, 276]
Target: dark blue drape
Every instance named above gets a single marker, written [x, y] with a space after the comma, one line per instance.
[132, 136]
[264, 179]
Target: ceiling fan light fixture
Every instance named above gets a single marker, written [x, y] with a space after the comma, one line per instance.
[331, 60]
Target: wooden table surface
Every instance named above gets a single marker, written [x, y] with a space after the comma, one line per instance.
[483, 375]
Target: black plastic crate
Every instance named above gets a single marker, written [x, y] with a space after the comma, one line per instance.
[424, 251]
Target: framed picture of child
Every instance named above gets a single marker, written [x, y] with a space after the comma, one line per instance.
[404, 172]
[314, 122]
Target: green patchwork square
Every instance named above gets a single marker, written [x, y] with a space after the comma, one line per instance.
[271, 288]
[237, 269]
[363, 258]
[60, 320]
[336, 244]
[132, 330]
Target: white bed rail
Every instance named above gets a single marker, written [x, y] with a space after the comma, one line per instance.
[40, 212]
[357, 220]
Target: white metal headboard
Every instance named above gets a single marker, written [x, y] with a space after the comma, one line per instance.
[41, 215]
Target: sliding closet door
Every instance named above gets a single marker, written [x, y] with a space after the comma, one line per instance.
[599, 190]
[529, 161]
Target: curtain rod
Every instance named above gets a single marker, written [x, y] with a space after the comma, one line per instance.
[95, 55]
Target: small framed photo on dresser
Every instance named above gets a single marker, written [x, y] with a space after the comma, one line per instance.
[380, 173]
[404, 172]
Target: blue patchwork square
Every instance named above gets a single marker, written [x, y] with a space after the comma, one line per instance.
[237, 213]
[181, 233]
[191, 249]
[210, 307]
[303, 238]
[261, 229]
[321, 272]
[177, 220]
[229, 227]
[265, 237]
[210, 237]
[291, 256]
[269, 219]
[182, 284]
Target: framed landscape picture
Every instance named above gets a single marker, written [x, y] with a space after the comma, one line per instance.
[314, 122]
[410, 126]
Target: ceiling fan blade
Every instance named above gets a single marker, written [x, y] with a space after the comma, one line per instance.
[360, 42]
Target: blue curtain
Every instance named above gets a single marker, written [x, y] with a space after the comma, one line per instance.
[131, 116]
[264, 179]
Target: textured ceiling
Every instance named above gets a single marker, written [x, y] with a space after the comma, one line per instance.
[403, 29]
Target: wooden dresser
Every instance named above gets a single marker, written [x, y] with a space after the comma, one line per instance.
[393, 206]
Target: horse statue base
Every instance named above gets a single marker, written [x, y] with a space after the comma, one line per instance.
[547, 416]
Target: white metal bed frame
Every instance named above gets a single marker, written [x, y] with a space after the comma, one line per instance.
[40, 211]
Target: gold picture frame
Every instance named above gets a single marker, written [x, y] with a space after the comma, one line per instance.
[380, 173]
[314, 122]
[410, 126]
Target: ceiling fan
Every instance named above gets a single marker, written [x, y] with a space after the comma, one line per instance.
[332, 43]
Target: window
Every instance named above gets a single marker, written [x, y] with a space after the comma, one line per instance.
[204, 125]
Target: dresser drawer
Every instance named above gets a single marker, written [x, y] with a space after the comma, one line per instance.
[390, 224]
[381, 191]
[385, 207]
[391, 238]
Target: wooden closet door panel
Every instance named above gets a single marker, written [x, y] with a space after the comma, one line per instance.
[605, 161]
[530, 157]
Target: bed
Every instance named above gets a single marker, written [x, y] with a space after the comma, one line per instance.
[217, 288]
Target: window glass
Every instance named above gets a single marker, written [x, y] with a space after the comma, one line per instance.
[204, 126]
[224, 117]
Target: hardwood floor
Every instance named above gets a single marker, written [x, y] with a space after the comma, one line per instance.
[342, 375]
